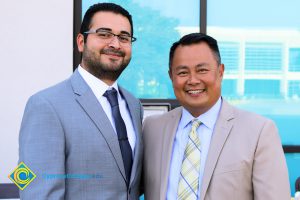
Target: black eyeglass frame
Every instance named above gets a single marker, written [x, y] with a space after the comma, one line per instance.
[133, 39]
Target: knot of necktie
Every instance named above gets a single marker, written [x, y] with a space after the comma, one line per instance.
[112, 97]
[195, 124]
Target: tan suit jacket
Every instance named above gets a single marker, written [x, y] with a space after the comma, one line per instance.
[245, 159]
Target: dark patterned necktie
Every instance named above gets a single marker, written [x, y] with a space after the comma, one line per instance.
[112, 97]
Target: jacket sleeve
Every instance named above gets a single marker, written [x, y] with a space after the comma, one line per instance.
[270, 174]
[42, 149]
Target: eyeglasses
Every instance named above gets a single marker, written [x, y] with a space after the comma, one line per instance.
[108, 36]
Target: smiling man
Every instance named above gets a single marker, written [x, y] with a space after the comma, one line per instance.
[86, 131]
[208, 149]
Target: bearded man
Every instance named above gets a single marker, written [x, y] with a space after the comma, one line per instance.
[82, 137]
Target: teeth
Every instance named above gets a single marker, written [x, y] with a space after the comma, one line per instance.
[195, 91]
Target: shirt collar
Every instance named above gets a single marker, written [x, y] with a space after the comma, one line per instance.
[208, 118]
[97, 86]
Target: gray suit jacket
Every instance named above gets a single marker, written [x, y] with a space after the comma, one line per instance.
[245, 159]
[67, 140]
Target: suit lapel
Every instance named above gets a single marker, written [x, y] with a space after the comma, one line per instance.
[220, 134]
[89, 103]
[168, 133]
[134, 111]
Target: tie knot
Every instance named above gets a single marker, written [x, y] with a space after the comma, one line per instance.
[112, 97]
[195, 124]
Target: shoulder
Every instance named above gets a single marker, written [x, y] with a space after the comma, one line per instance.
[128, 95]
[52, 94]
[156, 126]
[132, 100]
[242, 115]
[250, 117]
[163, 118]
[246, 123]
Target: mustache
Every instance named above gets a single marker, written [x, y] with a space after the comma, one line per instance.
[112, 51]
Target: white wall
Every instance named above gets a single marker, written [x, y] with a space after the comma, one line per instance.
[35, 52]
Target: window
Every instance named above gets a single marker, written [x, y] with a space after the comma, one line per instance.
[262, 89]
[229, 88]
[230, 55]
[294, 89]
[263, 56]
[294, 59]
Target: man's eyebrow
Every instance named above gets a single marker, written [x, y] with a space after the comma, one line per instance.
[179, 67]
[125, 32]
[202, 65]
[103, 29]
[109, 29]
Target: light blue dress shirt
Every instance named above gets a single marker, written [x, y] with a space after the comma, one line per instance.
[204, 132]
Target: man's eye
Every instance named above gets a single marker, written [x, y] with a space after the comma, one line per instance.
[124, 38]
[104, 34]
[182, 73]
[203, 70]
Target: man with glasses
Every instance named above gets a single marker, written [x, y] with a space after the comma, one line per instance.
[82, 137]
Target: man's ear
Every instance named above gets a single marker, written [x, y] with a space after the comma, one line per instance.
[80, 42]
[170, 74]
[221, 70]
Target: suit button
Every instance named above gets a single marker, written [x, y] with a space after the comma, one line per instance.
[129, 190]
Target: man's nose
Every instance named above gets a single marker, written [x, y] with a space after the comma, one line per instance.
[115, 43]
[193, 79]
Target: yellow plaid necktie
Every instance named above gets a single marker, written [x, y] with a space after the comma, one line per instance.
[189, 174]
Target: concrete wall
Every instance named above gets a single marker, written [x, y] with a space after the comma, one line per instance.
[35, 52]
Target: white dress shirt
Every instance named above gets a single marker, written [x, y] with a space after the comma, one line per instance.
[204, 132]
[99, 87]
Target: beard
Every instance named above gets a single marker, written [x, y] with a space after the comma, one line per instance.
[109, 71]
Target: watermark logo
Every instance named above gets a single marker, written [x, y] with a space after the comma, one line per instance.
[71, 176]
[22, 176]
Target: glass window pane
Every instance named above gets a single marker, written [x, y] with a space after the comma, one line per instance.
[157, 25]
[294, 59]
[229, 88]
[230, 55]
[263, 56]
[294, 89]
[263, 89]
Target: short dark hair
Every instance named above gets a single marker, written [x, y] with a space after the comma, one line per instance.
[196, 38]
[110, 7]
